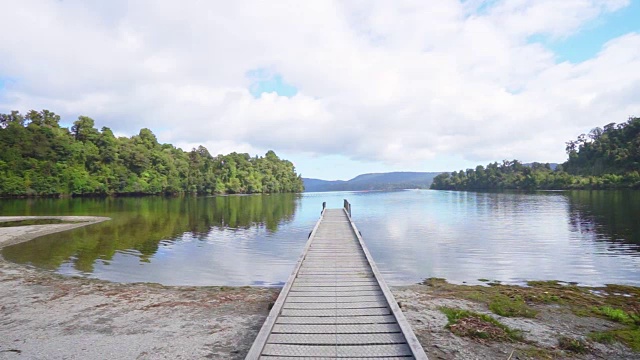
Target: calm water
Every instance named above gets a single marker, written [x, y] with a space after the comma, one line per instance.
[588, 237]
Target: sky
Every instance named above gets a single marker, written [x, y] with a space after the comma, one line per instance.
[339, 88]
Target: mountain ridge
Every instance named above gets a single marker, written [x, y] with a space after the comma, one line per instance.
[373, 181]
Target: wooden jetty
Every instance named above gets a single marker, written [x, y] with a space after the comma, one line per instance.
[336, 304]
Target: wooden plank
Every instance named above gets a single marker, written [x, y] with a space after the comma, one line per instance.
[336, 264]
[336, 305]
[331, 339]
[350, 293]
[352, 247]
[337, 254]
[332, 299]
[340, 265]
[334, 284]
[337, 275]
[342, 258]
[334, 270]
[333, 278]
[335, 312]
[335, 289]
[325, 358]
[341, 280]
[371, 319]
[336, 251]
[333, 351]
[335, 329]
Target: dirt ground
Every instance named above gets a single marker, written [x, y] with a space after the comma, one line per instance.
[541, 335]
[49, 316]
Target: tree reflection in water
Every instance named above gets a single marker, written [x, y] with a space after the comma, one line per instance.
[611, 216]
[141, 225]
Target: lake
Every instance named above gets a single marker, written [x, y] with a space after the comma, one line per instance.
[588, 237]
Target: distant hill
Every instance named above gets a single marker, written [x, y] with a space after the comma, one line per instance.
[376, 181]
[553, 166]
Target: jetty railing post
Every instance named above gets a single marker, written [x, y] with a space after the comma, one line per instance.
[324, 205]
[347, 206]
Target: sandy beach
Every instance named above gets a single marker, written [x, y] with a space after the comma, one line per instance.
[44, 315]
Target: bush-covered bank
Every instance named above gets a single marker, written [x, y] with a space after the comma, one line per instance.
[606, 158]
[40, 158]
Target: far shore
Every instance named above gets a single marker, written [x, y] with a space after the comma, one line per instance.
[46, 315]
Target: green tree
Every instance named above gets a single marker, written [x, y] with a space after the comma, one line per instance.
[38, 157]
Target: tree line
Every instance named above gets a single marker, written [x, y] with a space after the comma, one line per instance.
[38, 157]
[606, 158]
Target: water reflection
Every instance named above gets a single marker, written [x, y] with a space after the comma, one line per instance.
[143, 229]
[588, 237]
[512, 237]
[612, 217]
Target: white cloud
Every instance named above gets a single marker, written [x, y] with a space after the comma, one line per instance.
[401, 82]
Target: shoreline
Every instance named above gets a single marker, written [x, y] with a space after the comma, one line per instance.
[48, 315]
[20, 234]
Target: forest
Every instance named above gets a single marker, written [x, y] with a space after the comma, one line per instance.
[606, 158]
[38, 157]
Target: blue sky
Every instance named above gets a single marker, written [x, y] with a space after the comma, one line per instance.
[339, 88]
[265, 81]
[586, 43]
[3, 81]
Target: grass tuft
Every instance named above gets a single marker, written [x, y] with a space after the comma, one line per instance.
[618, 315]
[577, 346]
[472, 324]
[631, 337]
[537, 353]
[511, 307]
[434, 281]
[542, 283]
[605, 337]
